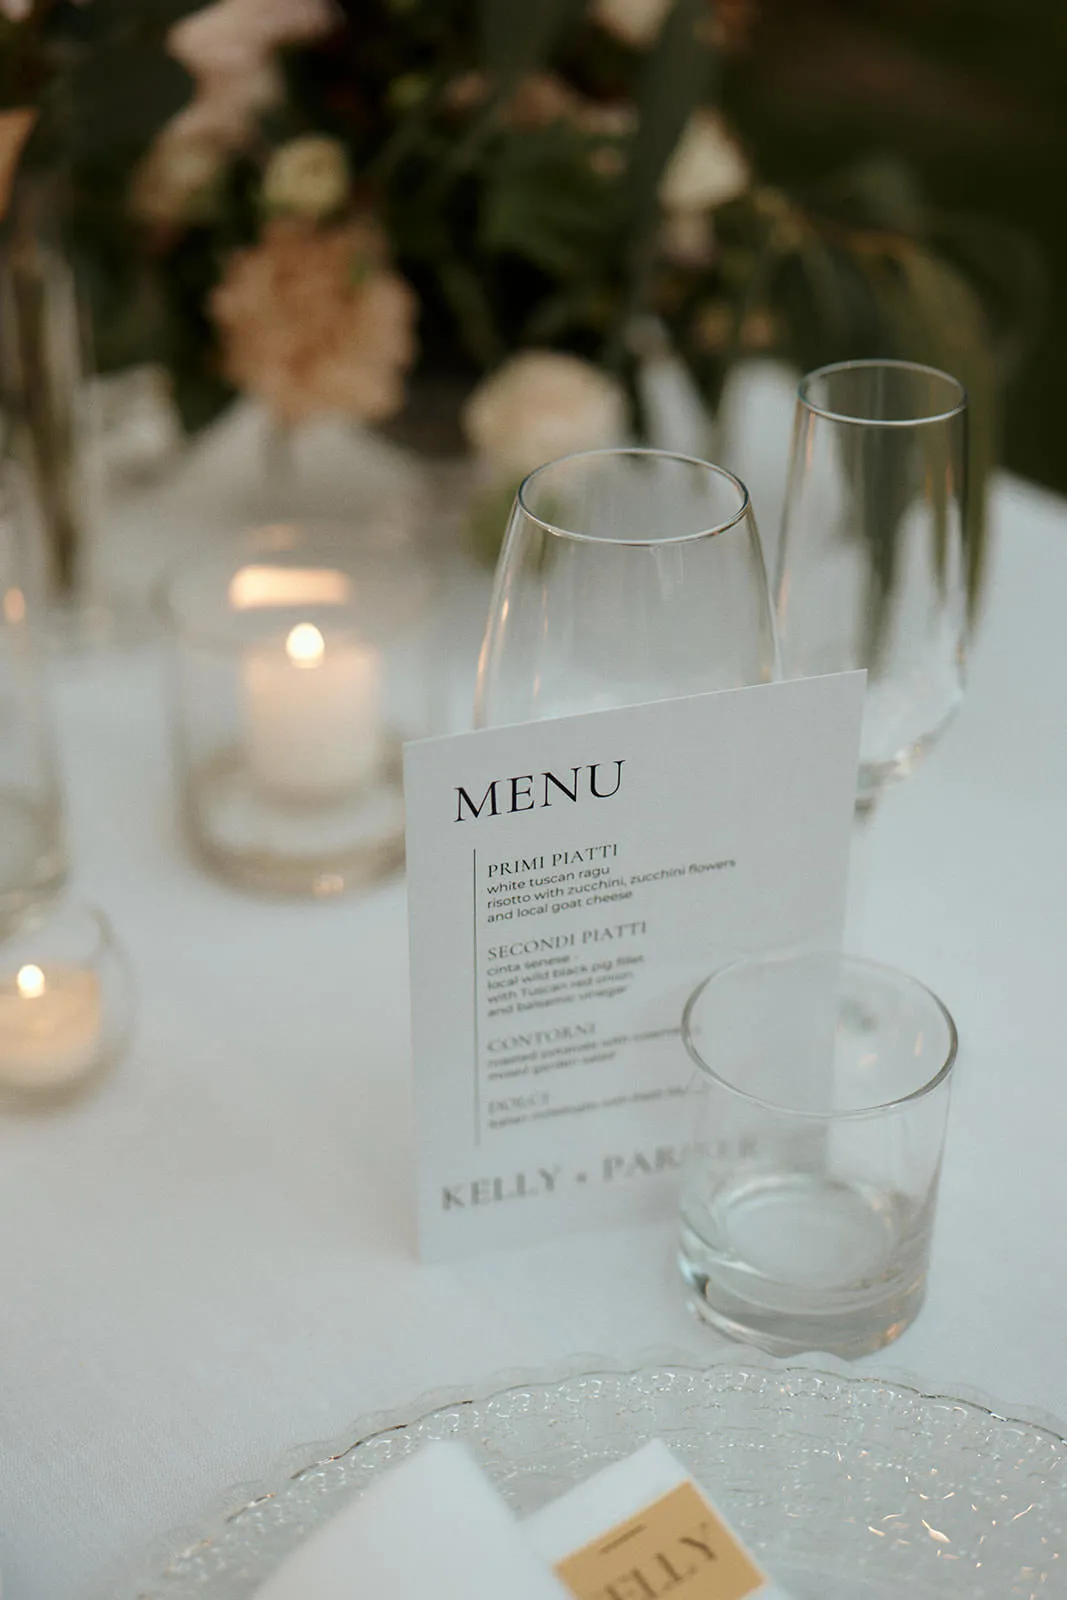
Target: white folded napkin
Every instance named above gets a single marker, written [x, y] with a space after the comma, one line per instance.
[431, 1529]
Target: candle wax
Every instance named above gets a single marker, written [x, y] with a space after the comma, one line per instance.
[312, 714]
[51, 1021]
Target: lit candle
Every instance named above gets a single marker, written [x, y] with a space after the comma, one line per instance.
[312, 708]
[50, 1026]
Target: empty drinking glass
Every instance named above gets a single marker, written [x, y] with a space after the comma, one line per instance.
[870, 567]
[626, 576]
[808, 1203]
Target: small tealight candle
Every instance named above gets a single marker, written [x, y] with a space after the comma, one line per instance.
[50, 1026]
[312, 708]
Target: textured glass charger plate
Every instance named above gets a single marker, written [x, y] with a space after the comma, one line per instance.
[848, 1487]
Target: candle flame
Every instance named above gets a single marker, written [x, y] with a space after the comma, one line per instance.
[305, 645]
[30, 982]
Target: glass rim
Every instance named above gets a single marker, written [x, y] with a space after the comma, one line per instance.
[184, 621]
[641, 544]
[39, 919]
[868, 364]
[862, 963]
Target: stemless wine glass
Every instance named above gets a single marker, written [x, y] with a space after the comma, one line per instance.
[627, 576]
[870, 565]
[811, 1181]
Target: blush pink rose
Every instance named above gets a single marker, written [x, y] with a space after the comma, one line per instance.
[313, 321]
[229, 50]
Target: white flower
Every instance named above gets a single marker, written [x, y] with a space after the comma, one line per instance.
[635, 22]
[228, 47]
[175, 182]
[308, 177]
[707, 167]
[233, 35]
[225, 110]
[688, 238]
[539, 405]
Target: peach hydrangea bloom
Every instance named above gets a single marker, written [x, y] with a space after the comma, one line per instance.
[314, 321]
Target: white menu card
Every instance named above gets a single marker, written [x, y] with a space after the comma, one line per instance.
[569, 883]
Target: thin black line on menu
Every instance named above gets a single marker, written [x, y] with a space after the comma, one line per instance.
[474, 924]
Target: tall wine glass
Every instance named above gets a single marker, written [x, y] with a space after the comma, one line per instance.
[870, 565]
[626, 576]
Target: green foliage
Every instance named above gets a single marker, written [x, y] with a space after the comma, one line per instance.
[115, 99]
[676, 79]
[99, 75]
[516, 39]
[543, 200]
[489, 520]
[519, 227]
[860, 269]
[931, 313]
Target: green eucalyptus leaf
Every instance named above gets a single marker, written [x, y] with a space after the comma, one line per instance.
[879, 192]
[958, 340]
[931, 314]
[488, 524]
[942, 320]
[828, 289]
[543, 200]
[676, 79]
[465, 292]
[117, 100]
[587, 305]
[518, 37]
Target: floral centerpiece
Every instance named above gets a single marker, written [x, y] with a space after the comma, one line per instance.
[534, 201]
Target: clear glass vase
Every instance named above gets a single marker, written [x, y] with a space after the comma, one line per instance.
[51, 417]
[33, 856]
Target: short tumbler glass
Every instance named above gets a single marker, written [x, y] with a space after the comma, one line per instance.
[809, 1197]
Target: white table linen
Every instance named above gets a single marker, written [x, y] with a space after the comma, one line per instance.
[210, 1258]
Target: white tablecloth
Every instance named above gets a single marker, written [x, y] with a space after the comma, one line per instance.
[210, 1259]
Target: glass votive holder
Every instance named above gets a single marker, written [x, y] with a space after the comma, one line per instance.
[66, 1002]
[297, 674]
[809, 1193]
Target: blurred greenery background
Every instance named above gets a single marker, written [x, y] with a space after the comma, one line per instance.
[972, 96]
[937, 126]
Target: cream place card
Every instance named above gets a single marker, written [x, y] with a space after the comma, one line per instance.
[569, 884]
[641, 1529]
